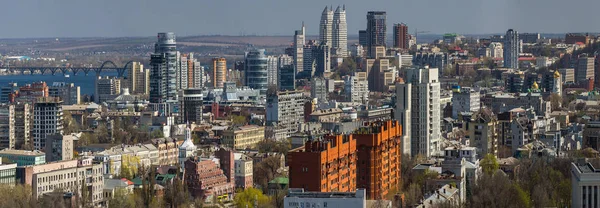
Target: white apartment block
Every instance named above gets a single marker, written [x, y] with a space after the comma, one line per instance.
[298, 198]
[425, 110]
[465, 99]
[285, 111]
[357, 88]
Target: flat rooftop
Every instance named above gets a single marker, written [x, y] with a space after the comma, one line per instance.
[22, 152]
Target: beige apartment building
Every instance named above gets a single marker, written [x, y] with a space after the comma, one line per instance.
[243, 137]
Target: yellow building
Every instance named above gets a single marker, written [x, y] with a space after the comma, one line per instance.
[219, 75]
[244, 137]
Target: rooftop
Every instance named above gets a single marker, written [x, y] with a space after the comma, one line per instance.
[22, 152]
[301, 194]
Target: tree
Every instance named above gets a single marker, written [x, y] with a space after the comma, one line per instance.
[239, 120]
[70, 126]
[122, 198]
[249, 197]
[176, 194]
[555, 101]
[270, 145]
[413, 194]
[266, 171]
[157, 134]
[17, 196]
[489, 164]
[101, 132]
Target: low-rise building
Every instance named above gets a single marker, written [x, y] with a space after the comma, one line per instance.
[8, 173]
[24, 157]
[243, 137]
[243, 171]
[298, 198]
[204, 178]
[59, 147]
[585, 181]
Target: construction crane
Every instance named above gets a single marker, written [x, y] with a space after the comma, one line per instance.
[417, 32]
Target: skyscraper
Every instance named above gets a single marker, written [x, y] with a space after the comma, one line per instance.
[163, 75]
[195, 72]
[401, 36]
[272, 63]
[512, 47]
[47, 120]
[340, 32]
[326, 27]
[182, 71]
[139, 79]
[422, 92]
[362, 38]
[376, 29]
[256, 70]
[585, 69]
[219, 72]
[322, 57]
[299, 49]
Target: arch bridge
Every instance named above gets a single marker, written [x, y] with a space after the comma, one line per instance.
[106, 66]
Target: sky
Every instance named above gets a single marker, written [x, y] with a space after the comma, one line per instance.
[119, 18]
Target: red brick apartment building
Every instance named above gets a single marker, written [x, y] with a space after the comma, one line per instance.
[369, 158]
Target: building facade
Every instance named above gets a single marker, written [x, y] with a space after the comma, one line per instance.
[465, 99]
[68, 92]
[47, 120]
[219, 71]
[204, 178]
[107, 88]
[401, 36]
[585, 182]
[298, 198]
[24, 157]
[243, 137]
[139, 79]
[376, 30]
[243, 171]
[326, 27]
[585, 69]
[286, 78]
[192, 105]
[299, 40]
[7, 126]
[256, 70]
[59, 147]
[163, 72]
[425, 109]
[512, 48]
[285, 111]
[340, 33]
[356, 88]
[322, 58]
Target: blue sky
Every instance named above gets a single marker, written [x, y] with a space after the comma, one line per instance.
[115, 18]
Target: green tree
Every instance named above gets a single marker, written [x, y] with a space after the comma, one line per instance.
[176, 194]
[249, 197]
[17, 196]
[489, 164]
[70, 125]
[239, 120]
[157, 134]
[122, 198]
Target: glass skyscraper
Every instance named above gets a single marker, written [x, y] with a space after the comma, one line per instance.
[256, 75]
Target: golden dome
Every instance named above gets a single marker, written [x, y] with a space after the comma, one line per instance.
[535, 86]
[556, 74]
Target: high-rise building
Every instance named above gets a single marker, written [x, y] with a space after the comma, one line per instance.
[531, 38]
[192, 102]
[23, 124]
[7, 126]
[482, 131]
[326, 27]
[322, 58]
[284, 60]
[272, 66]
[182, 71]
[219, 72]
[285, 111]
[585, 69]
[512, 48]
[139, 79]
[307, 171]
[309, 59]
[376, 29]
[68, 92]
[287, 78]
[256, 70]
[47, 120]
[424, 99]
[195, 72]
[107, 88]
[362, 38]
[340, 33]
[299, 40]
[403, 113]
[401, 36]
[163, 64]
[496, 50]
[357, 87]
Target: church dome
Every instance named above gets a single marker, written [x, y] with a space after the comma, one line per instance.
[556, 74]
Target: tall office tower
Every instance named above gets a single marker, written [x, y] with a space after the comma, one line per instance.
[286, 78]
[376, 29]
[403, 112]
[195, 73]
[326, 27]
[107, 88]
[139, 79]
[424, 99]
[512, 47]
[322, 58]
[68, 92]
[272, 65]
[256, 70]
[299, 39]
[362, 38]
[47, 120]
[340, 32]
[7, 126]
[309, 58]
[585, 69]
[163, 75]
[283, 61]
[182, 71]
[219, 72]
[191, 103]
[23, 120]
[401, 36]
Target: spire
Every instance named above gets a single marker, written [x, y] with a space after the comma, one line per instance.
[337, 10]
[344, 7]
[325, 10]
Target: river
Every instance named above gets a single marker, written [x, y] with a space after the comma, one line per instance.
[86, 83]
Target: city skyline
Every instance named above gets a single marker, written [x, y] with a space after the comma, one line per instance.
[127, 19]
